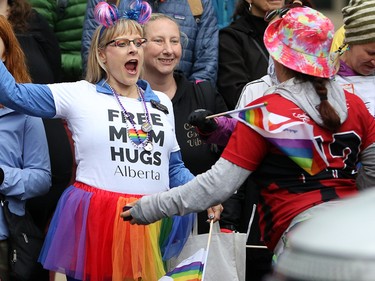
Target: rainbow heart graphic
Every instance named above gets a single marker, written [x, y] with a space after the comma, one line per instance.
[137, 136]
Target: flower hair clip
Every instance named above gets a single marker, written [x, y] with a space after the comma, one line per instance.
[107, 14]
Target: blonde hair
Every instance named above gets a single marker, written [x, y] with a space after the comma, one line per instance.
[156, 16]
[96, 69]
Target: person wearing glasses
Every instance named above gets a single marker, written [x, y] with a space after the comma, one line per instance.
[302, 147]
[125, 148]
[198, 22]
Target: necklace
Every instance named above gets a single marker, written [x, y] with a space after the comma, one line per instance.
[139, 139]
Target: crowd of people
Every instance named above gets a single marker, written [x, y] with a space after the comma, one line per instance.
[109, 147]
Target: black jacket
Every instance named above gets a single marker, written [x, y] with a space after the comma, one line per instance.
[42, 51]
[198, 156]
[242, 56]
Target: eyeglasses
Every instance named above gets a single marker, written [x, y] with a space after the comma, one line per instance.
[123, 42]
[270, 15]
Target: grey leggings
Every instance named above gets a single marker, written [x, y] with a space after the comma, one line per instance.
[4, 261]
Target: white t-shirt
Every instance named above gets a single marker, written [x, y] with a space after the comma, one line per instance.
[254, 90]
[105, 156]
[362, 86]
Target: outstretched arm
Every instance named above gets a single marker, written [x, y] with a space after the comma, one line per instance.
[205, 190]
[30, 99]
[180, 175]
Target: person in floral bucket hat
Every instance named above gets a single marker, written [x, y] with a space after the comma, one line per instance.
[302, 42]
[301, 143]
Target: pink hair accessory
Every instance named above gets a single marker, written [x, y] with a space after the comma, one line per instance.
[107, 14]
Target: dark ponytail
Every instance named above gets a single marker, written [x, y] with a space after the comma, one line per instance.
[331, 119]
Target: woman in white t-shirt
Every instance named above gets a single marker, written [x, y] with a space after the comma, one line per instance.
[125, 147]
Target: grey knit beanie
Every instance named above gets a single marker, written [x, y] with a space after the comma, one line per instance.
[359, 21]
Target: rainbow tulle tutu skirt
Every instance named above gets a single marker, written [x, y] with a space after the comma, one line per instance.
[88, 240]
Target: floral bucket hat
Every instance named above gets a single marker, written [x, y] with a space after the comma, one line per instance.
[301, 40]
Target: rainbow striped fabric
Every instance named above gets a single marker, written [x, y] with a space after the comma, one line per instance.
[294, 138]
[190, 269]
[137, 136]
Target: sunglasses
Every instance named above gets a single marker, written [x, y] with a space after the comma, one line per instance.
[270, 15]
[122, 42]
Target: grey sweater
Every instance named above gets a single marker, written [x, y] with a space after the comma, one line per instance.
[206, 190]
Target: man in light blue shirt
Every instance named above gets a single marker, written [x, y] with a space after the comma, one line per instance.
[25, 170]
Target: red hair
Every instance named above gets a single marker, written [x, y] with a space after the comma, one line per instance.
[14, 56]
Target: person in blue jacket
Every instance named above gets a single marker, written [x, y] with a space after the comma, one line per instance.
[25, 170]
[200, 57]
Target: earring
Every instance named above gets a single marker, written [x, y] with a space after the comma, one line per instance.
[250, 7]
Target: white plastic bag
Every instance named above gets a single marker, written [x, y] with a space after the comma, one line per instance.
[226, 259]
